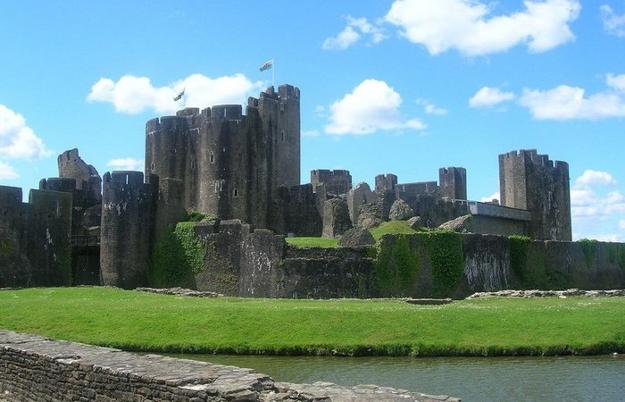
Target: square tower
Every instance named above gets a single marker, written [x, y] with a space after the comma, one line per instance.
[453, 182]
[533, 182]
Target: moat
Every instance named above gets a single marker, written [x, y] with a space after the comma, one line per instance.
[597, 378]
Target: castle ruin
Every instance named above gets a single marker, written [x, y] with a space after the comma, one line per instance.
[243, 170]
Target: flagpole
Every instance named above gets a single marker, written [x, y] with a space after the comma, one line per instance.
[273, 73]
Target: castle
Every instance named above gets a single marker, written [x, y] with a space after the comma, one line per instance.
[244, 170]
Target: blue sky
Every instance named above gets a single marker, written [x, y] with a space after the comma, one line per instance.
[404, 86]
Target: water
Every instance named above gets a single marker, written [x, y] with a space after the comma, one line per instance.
[599, 378]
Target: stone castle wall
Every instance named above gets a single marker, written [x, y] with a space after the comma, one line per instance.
[270, 268]
[426, 265]
[336, 181]
[127, 228]
[35, 248]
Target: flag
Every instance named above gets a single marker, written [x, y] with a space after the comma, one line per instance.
[267, 65]
[179, 96]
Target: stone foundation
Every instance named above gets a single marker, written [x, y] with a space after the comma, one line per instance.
[33, 368]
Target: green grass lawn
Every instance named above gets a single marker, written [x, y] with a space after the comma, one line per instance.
[148, 322]
[310, 242]
[392, 227]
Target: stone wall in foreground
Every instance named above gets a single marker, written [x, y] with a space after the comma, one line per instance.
[33, 368]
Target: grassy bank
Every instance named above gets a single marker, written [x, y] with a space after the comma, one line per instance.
[148, 322]
[391, 227]
[312, 242]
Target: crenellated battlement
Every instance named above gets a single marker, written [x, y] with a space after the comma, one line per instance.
[385, 182]
[532, 156]
[330, 172]
[64, 184]
[122, 186]
[336, 181]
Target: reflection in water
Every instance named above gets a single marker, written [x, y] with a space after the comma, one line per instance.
[473, 379]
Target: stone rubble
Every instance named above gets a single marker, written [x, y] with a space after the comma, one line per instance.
[356, 237]
[34, 368]
[400, 211]
[180, 292]
[550, 293]
[431, 302]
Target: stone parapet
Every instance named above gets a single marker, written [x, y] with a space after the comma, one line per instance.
[33, 368]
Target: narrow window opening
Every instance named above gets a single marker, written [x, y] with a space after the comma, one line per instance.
[236, 192]
[212, 158]
[282, 136]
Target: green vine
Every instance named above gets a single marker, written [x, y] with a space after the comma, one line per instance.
[616, 254]
[397, 266]
[446, 257]
[7, 248]
[589, 248]
[192, 246]
[177, 255]
[518, 254]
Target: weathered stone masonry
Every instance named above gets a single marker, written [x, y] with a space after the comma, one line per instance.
[427, 265]
[33, 369]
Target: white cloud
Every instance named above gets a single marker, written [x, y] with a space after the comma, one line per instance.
[616, 82]
[566, 102]
[494, 196]
[7, 172]
[489, 97]
[594, 177]
[131, 94]
[597, 209]
[469, 26]
[589, 197]
[355, 29]
[125, 164]
[613, 23]
[430, 108]
[17, 140]
[372, 106]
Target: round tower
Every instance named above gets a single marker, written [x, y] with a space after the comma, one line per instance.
[171, 151]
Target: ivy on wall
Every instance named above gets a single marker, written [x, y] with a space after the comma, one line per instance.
[177, 256]
[446, 257]
[518, 254]
[616, 254]
[397, 266]
[589, 248]
[398, 262]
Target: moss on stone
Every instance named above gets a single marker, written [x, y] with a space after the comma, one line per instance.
[396, 266]
[446, 257]
[616, 254]
[518, 254]
[589, 248]
[192, 246]
[177, 256]
[7, 248]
